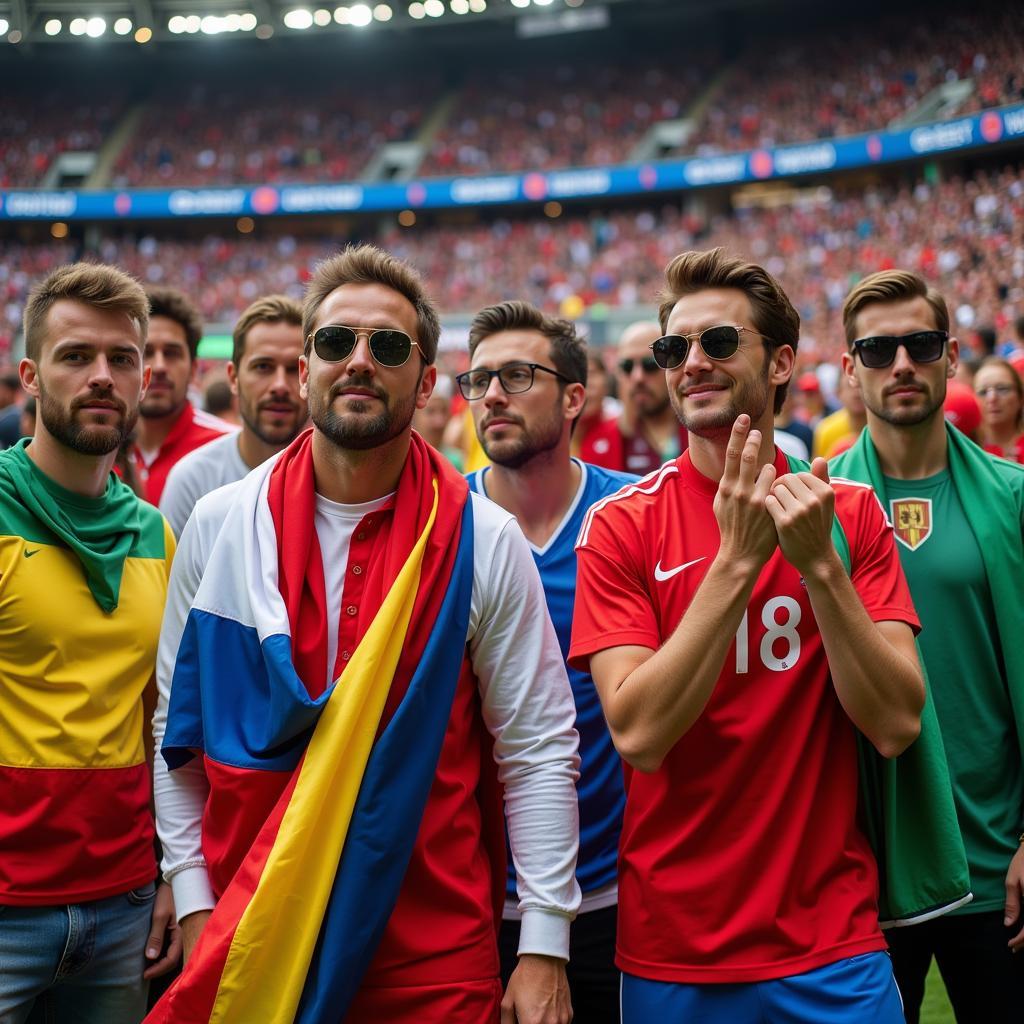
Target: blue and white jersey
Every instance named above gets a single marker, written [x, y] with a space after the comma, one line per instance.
[601, 793]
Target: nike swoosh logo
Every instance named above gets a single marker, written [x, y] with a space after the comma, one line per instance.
[29, 554]
[661, 575]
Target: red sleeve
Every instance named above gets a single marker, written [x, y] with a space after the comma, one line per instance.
[876, 572]
[613, 607]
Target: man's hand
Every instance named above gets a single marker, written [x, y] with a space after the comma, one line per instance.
[537, 993]
[802, 506]
[748, 535]
[1014, 892]
[163, 927]
[191, 928]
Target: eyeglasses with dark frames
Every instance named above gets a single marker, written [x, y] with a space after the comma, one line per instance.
[514, 379]
[718, 342]
[878, 352]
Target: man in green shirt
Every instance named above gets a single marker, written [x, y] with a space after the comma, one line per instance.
[959, 518]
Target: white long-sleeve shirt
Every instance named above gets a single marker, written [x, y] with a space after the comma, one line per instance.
[525, 695]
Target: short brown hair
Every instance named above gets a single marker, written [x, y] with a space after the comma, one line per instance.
[772, 313]
[1018, 382]
[92, 284]
[891, 286]
[366, 264]
[271, 309]
[176, 306]
[568, 350]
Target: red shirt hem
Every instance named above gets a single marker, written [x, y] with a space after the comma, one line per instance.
[55, 899]
[747, 973]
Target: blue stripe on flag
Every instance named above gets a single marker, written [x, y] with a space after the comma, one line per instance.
[239, 701]
[389, 808]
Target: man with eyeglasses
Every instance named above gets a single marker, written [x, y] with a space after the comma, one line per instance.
[526, 387]
[959, 519]
[359, 649]
[647, 434]
[736, 659]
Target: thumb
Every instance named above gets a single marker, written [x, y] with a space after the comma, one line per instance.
[1012, 908]
[819, 468]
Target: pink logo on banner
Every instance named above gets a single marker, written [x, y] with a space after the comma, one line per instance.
[991, 126]
[122, 204]
[648, 176]
[535, 186]
[265, 199]
[874, 147]
[761, 163]
[416, 193]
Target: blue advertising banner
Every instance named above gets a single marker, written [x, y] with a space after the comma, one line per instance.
[823, 155]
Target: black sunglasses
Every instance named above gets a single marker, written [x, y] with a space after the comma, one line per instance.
[648, 363]
[719, 342]
[515, 379]
[387, 346]
[922, 347]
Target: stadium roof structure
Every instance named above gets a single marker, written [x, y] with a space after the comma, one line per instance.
[87, 24]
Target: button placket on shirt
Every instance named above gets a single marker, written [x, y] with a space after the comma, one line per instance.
[355, 584]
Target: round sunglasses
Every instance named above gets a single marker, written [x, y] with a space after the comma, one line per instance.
[335, 342]
[922, 347]
[718, 342]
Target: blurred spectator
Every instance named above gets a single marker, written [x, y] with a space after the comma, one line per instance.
[219, 401]
[10, 408]
[962, 409]
[28, 418]
[837, 432]
[647, 433]
[1000, 391]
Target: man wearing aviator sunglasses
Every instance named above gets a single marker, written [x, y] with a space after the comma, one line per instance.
[357, 534]
[736, 660]
[647, 433]
[958, 515]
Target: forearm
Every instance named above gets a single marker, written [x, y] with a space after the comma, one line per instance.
[880, 687]
[659, 700]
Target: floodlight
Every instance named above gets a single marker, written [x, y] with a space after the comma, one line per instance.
[435, 8]
[298, 19]
[123, 26]
[477, 6]
[416, 10]
[382, 12]
[95, 27]
[322, 17]
[52, 27]
[76, 28]
[247, 22]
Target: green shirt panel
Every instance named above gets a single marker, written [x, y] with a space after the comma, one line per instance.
[960, 645]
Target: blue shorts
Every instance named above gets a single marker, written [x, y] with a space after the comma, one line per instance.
[858, 990]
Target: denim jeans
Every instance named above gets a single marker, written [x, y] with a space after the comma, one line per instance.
[80, 964]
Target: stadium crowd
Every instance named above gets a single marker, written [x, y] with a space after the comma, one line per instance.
[966, 234]
[199, 127]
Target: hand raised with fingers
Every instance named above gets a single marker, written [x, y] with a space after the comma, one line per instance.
[748, 535]
[802, 506]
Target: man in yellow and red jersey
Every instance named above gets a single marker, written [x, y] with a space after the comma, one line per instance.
[83, 577]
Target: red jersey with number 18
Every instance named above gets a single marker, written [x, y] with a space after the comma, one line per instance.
[740, 858]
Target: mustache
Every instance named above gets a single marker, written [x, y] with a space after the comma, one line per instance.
[488, 420]
[100, 396]
[356, 382]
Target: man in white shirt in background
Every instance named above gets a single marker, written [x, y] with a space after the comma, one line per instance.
[264, 374]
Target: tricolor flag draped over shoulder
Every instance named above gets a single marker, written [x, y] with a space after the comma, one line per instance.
[338, 781]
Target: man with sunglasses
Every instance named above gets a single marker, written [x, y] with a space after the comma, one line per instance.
[348, 500]
[736, 659]
[959, 519]
[526, 386]
[647, 432]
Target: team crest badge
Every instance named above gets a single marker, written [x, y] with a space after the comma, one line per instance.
[912, 520]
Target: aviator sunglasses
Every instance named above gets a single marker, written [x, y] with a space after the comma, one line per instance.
[922, 347]
[388, 347]
[719, 342]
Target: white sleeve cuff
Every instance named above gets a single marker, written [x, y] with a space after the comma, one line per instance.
[192, 890]
[544, 932]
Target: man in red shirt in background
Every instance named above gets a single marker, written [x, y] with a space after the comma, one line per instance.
[169, 425]
[735, 659]
[647, 433]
